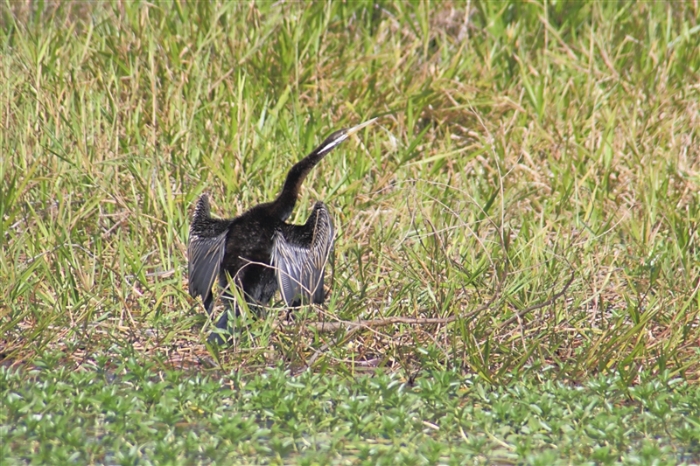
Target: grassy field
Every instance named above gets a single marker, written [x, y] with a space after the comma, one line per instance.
[525, 209]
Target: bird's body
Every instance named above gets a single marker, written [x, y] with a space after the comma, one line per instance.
[259, 251]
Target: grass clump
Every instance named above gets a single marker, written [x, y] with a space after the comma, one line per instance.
[525, 149]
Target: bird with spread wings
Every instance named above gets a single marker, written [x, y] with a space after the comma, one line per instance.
[261, 253]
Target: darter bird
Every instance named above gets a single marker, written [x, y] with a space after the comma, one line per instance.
[259, 251]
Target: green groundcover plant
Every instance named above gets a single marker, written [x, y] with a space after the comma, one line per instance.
[136, 413]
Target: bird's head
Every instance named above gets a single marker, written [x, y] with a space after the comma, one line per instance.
[341, 135]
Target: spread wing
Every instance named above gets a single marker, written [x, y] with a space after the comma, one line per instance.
[205, 251]
[300, 253]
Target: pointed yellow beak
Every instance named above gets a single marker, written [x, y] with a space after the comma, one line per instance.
[339, 136]
[355, 129]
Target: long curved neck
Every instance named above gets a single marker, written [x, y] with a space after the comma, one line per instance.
[283, 205]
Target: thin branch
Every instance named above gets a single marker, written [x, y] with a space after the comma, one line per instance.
[374, 323]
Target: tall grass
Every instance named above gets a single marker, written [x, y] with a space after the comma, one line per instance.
[520, 144]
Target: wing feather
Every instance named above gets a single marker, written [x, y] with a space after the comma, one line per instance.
[205, 251]
[205, 256]
[300, 253]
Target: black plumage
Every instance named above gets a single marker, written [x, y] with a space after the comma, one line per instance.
[259, 250]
